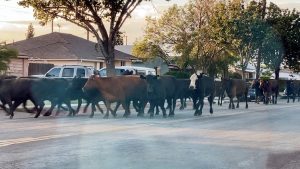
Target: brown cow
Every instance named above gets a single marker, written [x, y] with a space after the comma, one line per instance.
[270, 88]
[235, 88]
[121, 89]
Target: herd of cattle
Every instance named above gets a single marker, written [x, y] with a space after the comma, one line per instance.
[140, 90]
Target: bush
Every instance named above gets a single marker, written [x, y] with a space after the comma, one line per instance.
[179, 74]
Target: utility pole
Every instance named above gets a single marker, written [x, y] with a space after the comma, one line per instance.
[52, 26]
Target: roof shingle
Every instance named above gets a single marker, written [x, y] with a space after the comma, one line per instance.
[62, 46]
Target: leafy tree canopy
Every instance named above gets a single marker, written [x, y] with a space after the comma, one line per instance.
[5, 55]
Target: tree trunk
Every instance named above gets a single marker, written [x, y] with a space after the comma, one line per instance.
[258, 65]
[243, 73]
[107, 49]
[277, 70]
[110, 61]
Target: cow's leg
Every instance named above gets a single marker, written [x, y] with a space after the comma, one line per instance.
[222, 97]
[72, 112]
[4, 102]
[10, 105]
[29, 110]
[49, 112]
[197, 105]
[169, 101]
[40, 106]
[142, 106]
[126, 105]
[238, 102]
[107, 104]
[232, 104]
[181, 104]
[117, 107]
[246, 100]
[156, 109]
[194, 99]
[79, 106]
[153, 104]
[173, 105]
[161, 104]
[136, 105]
[211, 99]
[86, 106]
[14, 106]
[93, 109]
[201, 106]
[99, 108]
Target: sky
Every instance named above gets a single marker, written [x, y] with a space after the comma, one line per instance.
[15, 19]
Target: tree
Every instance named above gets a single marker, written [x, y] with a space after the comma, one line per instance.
[119, 38]
[30, 31]
[182, 32]
[91, 15]
[5, 55]
[284, 40]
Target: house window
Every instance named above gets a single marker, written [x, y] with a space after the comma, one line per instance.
[101, 65]
[123, 63]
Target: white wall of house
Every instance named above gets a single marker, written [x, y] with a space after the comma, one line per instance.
[18, 67]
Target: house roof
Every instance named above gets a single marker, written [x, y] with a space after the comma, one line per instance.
[125, 48]
[62, 46]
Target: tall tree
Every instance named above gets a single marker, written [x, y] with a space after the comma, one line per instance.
[91, 15]
[235, 27]
[30, 31]
[183, 32]
[120, 38]
[284, 49]
[5, 55]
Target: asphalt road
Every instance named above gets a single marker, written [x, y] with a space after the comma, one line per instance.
[259, 137]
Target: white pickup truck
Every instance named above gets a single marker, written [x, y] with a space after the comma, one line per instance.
[68, 71]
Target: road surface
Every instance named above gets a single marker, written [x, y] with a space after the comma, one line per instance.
[259, 137]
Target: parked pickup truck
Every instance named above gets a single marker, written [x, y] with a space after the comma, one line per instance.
[68, 71]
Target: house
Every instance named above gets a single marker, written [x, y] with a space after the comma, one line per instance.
[249, 72]
[158, 62]
[40, 53]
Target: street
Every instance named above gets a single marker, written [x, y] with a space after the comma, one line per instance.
[263, 136]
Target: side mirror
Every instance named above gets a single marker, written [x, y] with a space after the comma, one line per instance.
[48, 75]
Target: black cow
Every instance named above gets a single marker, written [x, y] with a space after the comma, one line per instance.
[74, 92]
[258, 91]
[219, 92]
[15, 91]
[292, 90]
[159, 89]
[183, 92]
[54, 90]
[270, 88]
[204, 86]
[235, 88]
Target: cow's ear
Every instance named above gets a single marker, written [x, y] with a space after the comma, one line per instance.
[142, 77]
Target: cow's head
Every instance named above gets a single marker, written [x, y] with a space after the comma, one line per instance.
[152, 81]
[193, 79]
[91, 83]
